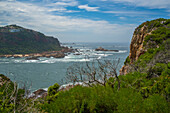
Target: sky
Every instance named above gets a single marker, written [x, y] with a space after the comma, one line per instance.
[83, 20]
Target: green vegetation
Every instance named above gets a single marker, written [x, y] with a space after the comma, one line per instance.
[10, 96]
[127, 60]
[161, 22]
[25, 41]
[145, 89]
[52, 92]
[100, 99]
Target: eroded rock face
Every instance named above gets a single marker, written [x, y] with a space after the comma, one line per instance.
[136, 47]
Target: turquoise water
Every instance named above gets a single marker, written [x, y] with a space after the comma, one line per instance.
[47, 71]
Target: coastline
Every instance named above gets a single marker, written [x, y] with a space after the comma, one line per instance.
[48, 54]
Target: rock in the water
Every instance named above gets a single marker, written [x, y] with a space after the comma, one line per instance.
[102, 49]
[32, 58]
[77, 54]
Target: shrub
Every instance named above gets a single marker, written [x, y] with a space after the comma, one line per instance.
[52, 90]
[156, 104]
[129, 101]
[83, 99]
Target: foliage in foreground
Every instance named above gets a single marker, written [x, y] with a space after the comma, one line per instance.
[138, 94]
[100, 99]
[13, 98]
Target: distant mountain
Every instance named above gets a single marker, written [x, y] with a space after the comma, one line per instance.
[18, 40]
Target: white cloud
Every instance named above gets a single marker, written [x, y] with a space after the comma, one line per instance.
[68, 3]
[61, 3]
[64, 27]
[88, 8]
[122, 18]
[147, 3]
[128, 12]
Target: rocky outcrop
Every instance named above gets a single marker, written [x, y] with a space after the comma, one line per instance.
[137, 47]
[102, 49]
[34, 56]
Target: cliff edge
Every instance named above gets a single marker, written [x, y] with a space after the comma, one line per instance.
[149, 46]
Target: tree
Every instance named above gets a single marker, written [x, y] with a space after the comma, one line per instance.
[95, 72]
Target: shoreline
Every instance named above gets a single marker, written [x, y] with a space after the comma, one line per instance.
[56, 54]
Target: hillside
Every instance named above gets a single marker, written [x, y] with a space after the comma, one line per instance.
[142, 87]
[149, 48]
[18, 40]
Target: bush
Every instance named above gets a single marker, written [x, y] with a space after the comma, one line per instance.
[52, 90]
[129, 101]
[156, 104]
[159, 68]
[98, 99]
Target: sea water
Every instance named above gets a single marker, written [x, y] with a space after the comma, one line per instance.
[45, 72]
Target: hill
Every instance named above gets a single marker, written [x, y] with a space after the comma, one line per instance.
[149, 48]
[18, 40]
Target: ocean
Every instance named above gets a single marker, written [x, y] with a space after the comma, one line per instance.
[42, 73]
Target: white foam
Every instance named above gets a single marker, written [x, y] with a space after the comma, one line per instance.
[122, 51]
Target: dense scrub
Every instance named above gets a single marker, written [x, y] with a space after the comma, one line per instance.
[137, 94]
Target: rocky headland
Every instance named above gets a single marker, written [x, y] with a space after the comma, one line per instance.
[149, 46]
[34, 56]
[17, 41]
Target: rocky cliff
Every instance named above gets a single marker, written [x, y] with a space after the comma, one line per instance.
[18, 40]
[150, 44]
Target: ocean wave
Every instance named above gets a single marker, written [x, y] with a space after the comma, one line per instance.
[122, 51]
[52, 60]
[4, 62]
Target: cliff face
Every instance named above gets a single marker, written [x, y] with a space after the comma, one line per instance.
[18, 40]
[149, 35]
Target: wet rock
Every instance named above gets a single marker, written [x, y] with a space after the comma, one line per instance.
[32, 58]
[77, 54]
[102, 49]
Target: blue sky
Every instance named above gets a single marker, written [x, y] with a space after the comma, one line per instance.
[83, 20]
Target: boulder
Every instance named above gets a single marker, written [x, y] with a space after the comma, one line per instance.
[32, 58]
[102, 49]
